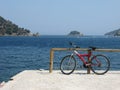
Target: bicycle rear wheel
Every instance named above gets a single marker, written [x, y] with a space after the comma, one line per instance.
[68, 64]
[100, 64]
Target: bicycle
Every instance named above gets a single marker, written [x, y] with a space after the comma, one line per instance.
[99, 64]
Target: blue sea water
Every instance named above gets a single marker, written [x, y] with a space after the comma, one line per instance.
[31, 53]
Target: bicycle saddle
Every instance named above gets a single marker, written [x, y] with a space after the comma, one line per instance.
[93, 48]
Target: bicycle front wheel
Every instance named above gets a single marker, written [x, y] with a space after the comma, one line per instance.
[100, 64]
[68, 64]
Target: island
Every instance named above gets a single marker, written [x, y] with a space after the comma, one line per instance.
[7, 28]
[113, 33]
[75, 33]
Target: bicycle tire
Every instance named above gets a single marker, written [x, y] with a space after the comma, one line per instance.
[100, 64]
[68, 64]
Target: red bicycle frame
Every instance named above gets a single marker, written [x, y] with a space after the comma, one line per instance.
[81, 56]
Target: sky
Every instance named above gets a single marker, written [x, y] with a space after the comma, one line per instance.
[59, 17]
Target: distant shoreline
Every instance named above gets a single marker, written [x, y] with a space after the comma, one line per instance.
[58, 36]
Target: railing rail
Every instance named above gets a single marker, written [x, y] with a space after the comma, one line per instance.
[81, 49]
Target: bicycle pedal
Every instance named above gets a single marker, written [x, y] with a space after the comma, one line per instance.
[85, 66]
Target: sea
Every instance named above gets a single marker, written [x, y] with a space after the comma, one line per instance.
[19, 53]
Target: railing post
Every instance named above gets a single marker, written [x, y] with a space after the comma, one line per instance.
[89, 60]
[51, 60]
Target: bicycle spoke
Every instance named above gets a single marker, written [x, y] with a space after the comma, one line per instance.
[100, 64]
[68, 65]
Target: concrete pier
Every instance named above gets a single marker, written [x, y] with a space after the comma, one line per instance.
[79, 80]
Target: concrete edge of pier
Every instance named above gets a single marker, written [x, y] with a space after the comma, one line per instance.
[79, 80]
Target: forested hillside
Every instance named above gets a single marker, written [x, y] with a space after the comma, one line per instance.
[8, 28]
[114, 33]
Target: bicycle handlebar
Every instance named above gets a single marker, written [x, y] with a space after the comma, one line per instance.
[72, 44]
